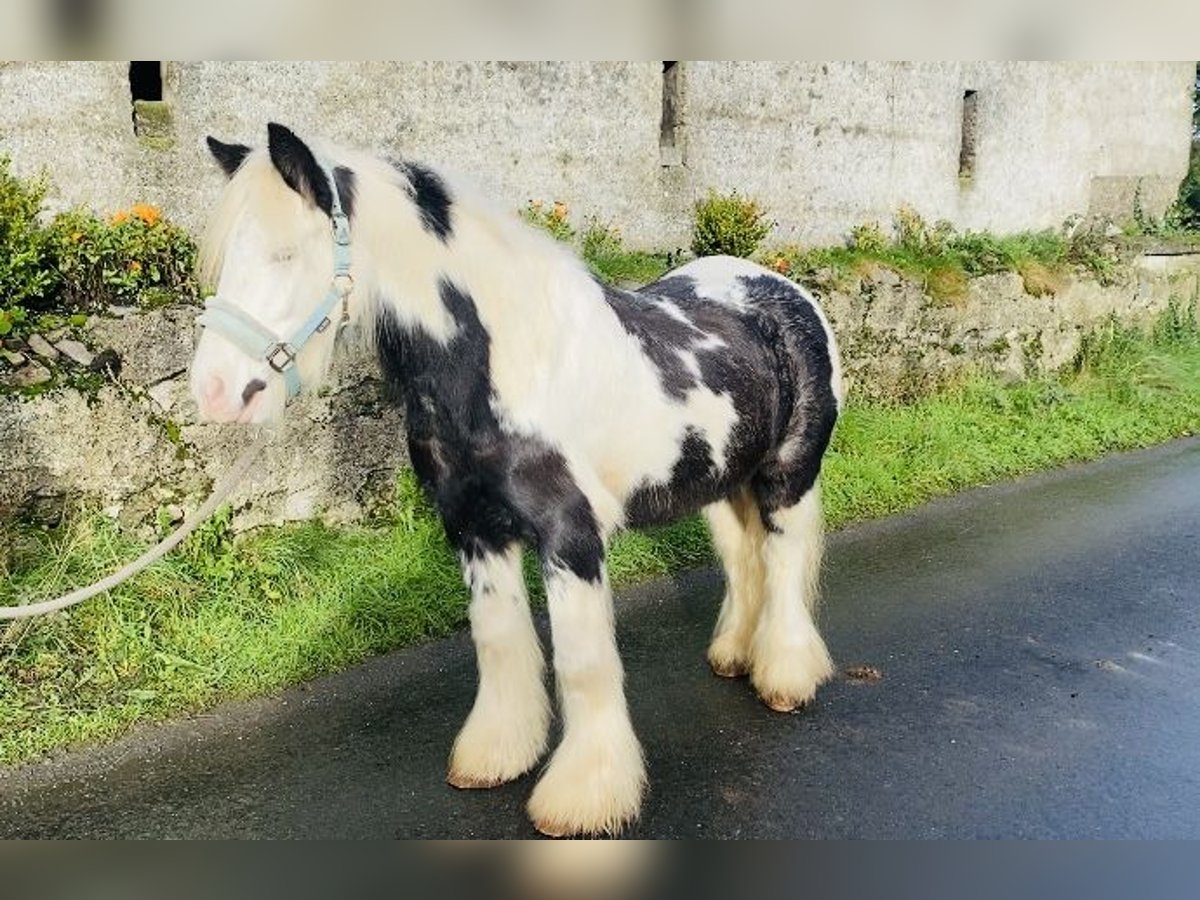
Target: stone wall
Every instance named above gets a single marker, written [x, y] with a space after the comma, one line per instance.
[134, 448]
[897, 342]
[824, 145]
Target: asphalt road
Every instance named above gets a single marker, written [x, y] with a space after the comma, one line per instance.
[1039, 651]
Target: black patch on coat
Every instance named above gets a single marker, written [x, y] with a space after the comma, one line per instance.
[661, 335]
[695, 482]
[673, 287]
[347, 187]
[490, 486]
[431, 197]
[228, 156]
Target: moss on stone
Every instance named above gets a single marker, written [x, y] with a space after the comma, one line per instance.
[155, 124]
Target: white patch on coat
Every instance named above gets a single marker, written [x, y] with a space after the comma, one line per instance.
[509, 725]
[595, 780]
[738, 536]
[673, 310]
[789, 660]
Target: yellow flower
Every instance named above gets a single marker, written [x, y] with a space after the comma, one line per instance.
[560, 210]
[147, 213]
[119, 216]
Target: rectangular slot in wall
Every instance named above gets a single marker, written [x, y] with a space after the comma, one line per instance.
[969, 135]
[670, 153]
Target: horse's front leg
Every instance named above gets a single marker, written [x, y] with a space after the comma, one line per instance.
[595, 780]
[506, 732]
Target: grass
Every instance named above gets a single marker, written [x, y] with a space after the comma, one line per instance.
[943, 260]
[604, 251]
[226, 618]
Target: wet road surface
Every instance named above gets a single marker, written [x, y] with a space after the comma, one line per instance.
[1038, 646]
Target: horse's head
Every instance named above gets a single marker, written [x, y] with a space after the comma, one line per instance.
[278, 255]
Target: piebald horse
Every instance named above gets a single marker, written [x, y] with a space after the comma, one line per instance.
[543, 408]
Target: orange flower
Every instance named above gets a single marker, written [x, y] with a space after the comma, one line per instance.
[782, 265]
[147, 213]
[119, 216]
[560, 210]
[135, 266]
[535, 204]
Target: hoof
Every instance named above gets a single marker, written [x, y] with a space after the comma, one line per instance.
[465, 782]
[728, 668]
[593, 786]
[729, 656]
[781, 703]
[786, 675]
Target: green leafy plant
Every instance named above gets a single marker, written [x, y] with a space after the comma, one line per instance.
[599, 239]
[868, 238]
[27, 273]
[135, 258]
[80, 262]
[915, 235]
[552, 219]
[1090, 248]
[728, 224]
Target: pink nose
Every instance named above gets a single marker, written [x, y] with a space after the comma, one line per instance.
[214, 388]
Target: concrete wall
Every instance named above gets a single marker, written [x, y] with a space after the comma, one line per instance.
[825, 145]
[831, 145]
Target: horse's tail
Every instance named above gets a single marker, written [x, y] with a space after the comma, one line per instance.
[837, 376]
[806, 338]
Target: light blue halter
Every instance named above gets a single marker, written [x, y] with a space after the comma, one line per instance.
[260, 342]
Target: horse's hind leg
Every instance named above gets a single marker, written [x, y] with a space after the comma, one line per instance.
[738, 536]
[506, 732]
[789, 659]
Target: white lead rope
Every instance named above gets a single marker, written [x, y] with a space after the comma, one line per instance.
[235, 474]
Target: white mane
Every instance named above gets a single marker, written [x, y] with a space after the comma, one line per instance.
[501, 261]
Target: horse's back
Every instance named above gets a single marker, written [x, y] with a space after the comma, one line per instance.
[751, 290]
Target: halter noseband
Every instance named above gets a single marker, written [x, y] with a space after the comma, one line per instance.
[261, 342]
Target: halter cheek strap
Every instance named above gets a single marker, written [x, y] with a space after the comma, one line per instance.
[260, 342]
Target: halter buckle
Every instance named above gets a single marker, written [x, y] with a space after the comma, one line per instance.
[343, 283]
[341, 229]
[281, 350]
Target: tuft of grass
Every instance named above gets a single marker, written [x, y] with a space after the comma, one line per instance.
[946, 284]
[943, 260]
[603, 249]
[1041, 280]
[229, 617]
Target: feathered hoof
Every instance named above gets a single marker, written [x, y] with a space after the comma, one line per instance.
[782, 703]
[589, 793]
[787, 677]
[491, 750]
[728, 668]
[728, 657]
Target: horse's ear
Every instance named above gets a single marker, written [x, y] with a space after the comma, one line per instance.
[228, 156]
[298, 166]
